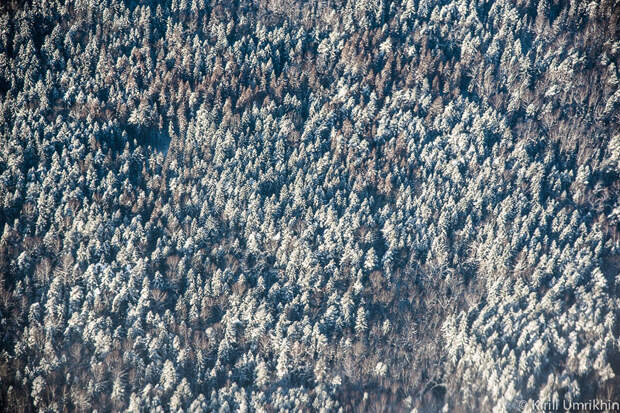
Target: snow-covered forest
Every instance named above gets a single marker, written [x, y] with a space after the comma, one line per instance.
[308, 205]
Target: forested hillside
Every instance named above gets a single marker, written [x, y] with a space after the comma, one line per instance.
[312, 205]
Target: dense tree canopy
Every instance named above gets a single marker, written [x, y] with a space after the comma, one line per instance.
[308, 205]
